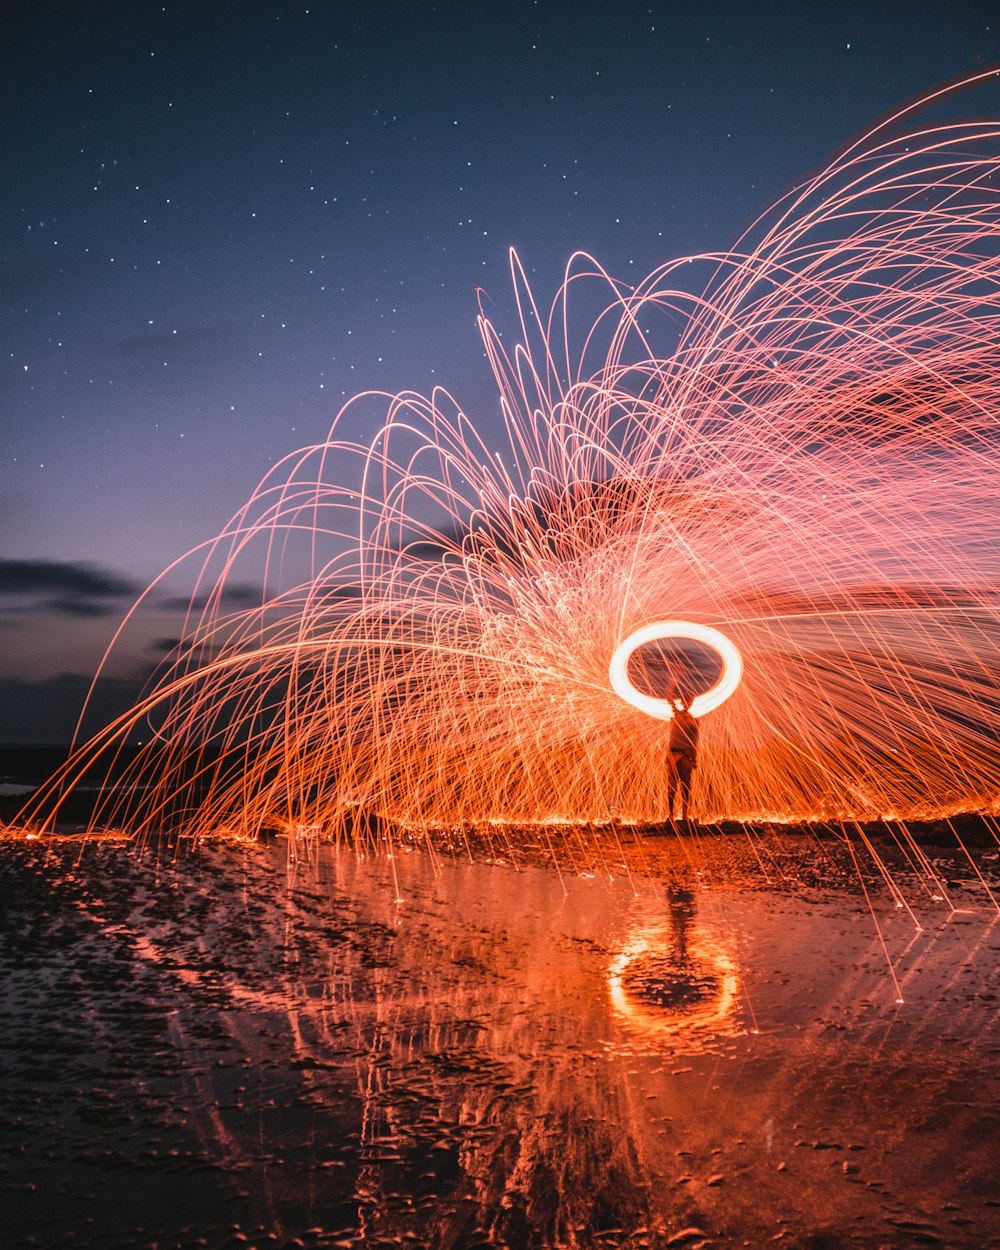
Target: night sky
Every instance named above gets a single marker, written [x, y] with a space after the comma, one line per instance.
[219, 220]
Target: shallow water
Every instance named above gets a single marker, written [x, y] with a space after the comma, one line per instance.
[694, 1045]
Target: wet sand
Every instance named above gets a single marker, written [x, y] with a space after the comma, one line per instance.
[676, 1043]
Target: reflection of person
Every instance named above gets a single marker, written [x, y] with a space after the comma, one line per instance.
[683, 755]
[681, 901]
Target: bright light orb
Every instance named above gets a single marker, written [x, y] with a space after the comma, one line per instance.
[729, 678]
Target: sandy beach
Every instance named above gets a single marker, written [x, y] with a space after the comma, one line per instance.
[217, 1045]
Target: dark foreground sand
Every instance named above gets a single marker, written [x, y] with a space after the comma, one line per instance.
[696, 1044]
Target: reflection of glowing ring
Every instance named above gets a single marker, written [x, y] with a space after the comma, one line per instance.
[714, 1015]
[729, 679]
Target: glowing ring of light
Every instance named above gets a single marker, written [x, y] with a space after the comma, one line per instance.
[729, 679]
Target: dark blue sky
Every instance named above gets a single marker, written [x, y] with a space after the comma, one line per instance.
[219, 220]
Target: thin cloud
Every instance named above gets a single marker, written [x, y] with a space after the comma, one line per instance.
[163, 646]
[234, 597]
[59, 588]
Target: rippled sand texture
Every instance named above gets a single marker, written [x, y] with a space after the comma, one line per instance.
[217, 1047]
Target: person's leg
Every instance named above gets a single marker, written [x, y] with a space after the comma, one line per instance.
[684, 770]
[672, 779]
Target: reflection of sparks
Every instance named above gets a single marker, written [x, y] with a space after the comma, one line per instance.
[799, 447]
[655, 994]
[732, 667]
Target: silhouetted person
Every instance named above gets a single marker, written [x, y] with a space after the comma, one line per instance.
[683, 754]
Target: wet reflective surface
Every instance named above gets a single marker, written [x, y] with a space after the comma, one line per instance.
[687, 1047]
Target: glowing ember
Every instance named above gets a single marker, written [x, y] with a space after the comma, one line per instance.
[786, 452]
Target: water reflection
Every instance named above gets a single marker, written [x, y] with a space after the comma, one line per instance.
[672, 979]
[345, 1051]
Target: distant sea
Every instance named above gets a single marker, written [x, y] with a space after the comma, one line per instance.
[22, 768]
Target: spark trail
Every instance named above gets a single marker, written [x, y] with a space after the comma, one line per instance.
[793, 443]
